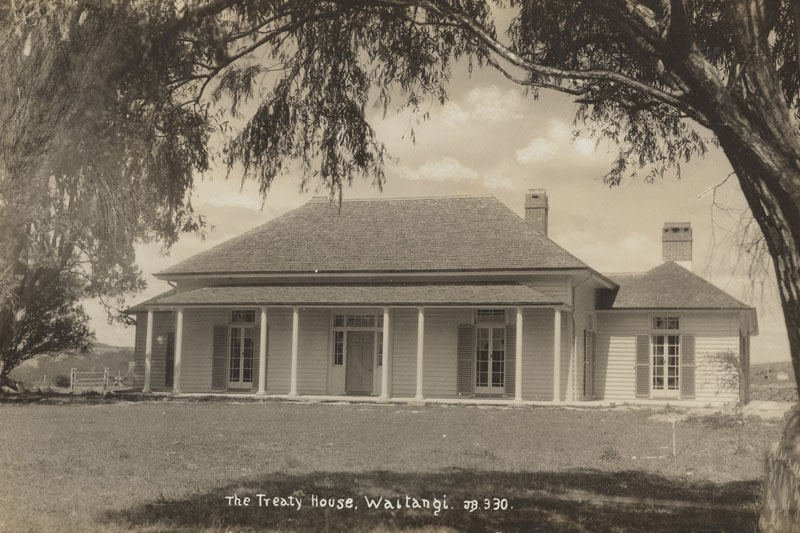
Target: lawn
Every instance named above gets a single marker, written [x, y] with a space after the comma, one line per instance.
[171, 465]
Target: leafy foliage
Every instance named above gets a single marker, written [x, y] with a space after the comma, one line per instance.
[93, 159]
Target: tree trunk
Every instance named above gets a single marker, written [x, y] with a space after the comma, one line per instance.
[773, 193]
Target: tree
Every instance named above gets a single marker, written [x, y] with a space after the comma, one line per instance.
[89, 166]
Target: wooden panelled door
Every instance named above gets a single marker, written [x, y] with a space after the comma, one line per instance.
[240, 358]
[360, 358]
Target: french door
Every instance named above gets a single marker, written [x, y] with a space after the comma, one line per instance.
[240, 358]
[490, 360]
[666, 365]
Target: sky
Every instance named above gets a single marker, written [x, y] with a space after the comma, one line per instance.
[492, 138]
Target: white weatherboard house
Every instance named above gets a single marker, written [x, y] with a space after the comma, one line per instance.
[437, 298]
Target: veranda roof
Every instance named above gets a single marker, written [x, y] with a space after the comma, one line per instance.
[397, 294]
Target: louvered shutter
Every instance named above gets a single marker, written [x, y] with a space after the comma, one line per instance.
[169, 360]
[511, 359]
[588, 363]
[687, 366]
[642, 366]
[256, 357]
[218, 357]
[466, 358]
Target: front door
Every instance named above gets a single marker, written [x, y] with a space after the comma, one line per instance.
[360, 353]
[240, 358]
[490, 360]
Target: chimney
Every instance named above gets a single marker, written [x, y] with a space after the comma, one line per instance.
[536, 210]
[676, 243]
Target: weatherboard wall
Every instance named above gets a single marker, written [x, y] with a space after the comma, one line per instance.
[198, 341]
[716, 334]
[537, 354]
[163, 323]
[717, 350]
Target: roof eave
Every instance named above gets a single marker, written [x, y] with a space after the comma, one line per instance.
[176, 276]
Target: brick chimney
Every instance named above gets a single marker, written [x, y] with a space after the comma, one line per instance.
[676, 243]
[536, 210]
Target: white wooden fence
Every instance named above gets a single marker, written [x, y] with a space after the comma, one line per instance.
[88, 380]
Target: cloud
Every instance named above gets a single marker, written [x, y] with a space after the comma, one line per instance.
[494, 181]
[538, 150]
[444, 170]
[483, 104]
[233, 199]
[559, 139]
[493, 105]
[559, 131]
[584, 146]
[226, 193]
[453, 115]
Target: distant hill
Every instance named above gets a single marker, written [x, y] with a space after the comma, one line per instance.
[770, 371]
[34, 372]
[773, 381]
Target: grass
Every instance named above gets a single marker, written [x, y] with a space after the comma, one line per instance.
[168, 466]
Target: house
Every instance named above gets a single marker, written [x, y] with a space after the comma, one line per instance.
[437, 298]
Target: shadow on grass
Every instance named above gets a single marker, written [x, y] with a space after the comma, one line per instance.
[90, 397]
[572, 500]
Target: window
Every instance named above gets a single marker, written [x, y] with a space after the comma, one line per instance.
[338, 348]
[666, 363]
[490, 315]
[338, 321]
[380, 349]
[661, 323]
[243, 316]
[360, 321]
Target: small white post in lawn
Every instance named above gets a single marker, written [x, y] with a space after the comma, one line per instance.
[674, 447]
[518, 360]
[176, 373]
[148, 352]
[420, 352]
[295, 338]
[557, 355]
[385, 356]
[262, 354]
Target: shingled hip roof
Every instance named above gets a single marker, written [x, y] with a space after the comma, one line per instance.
[385, 235]
[400, 294]
[667, 286]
